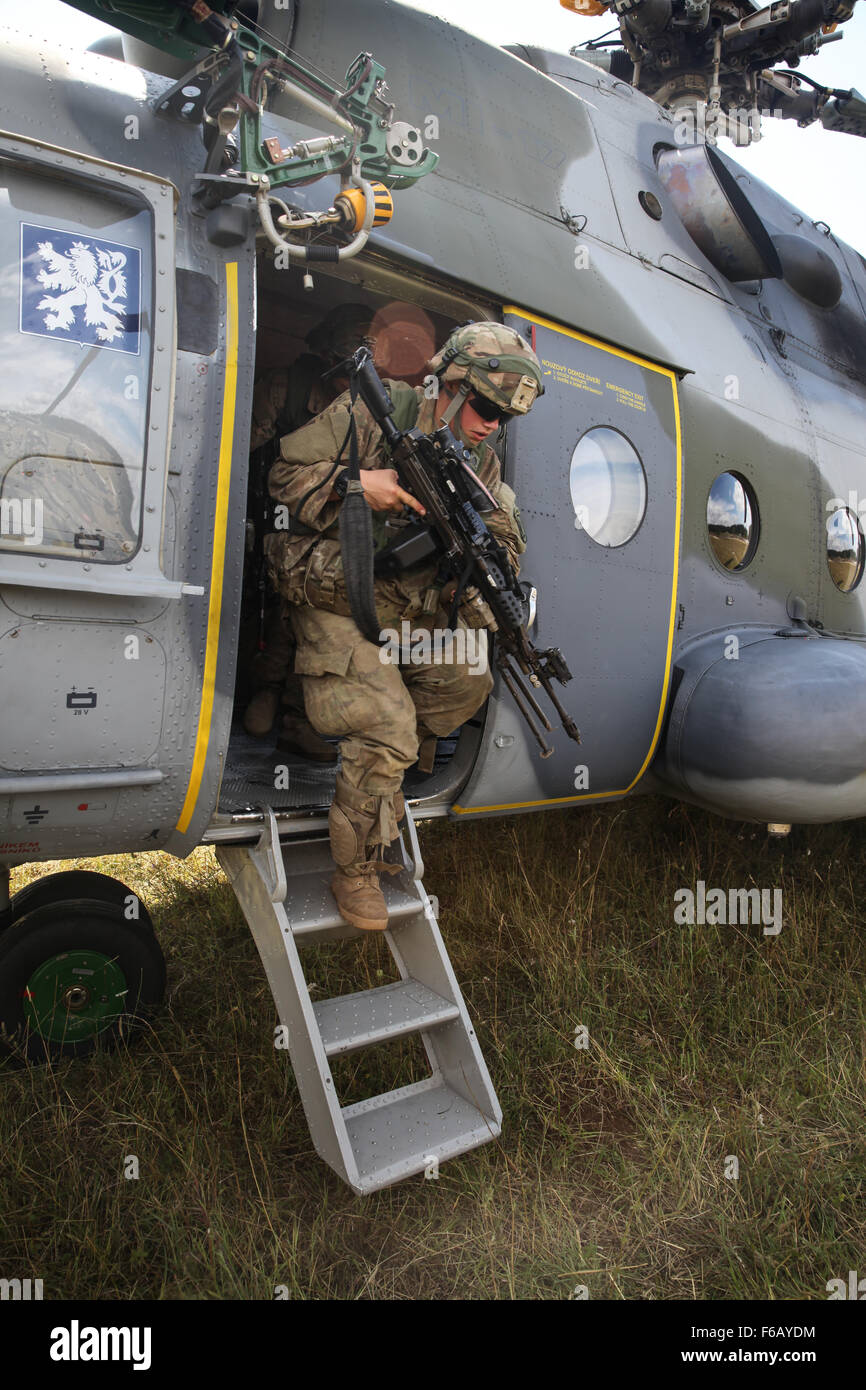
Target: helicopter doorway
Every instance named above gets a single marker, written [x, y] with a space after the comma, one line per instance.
[409, 316]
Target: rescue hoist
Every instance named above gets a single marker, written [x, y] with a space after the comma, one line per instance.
[227, 91]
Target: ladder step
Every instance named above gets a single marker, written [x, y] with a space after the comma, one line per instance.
[395, 1135]
[307, 856]
[376, 1015]
[312, 910]
[312, 854]
[409, 1130]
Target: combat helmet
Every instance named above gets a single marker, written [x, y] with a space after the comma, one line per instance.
[493, 360]
[343, 329]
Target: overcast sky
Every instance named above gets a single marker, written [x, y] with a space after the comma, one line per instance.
[824, 174]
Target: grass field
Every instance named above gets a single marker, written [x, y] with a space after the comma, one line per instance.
[704, 1042]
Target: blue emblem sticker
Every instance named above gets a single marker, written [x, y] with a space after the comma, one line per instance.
[80, 288]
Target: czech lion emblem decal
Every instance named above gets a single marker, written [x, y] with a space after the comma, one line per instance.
[81, 289]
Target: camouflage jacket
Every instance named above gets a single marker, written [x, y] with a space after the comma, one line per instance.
[309, 568]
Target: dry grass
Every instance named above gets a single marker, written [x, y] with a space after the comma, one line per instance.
[704, 1042]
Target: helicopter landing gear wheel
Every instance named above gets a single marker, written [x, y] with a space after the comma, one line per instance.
[74, 976]
[76, 883]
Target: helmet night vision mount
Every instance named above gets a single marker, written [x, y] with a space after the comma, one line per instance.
[495, 361]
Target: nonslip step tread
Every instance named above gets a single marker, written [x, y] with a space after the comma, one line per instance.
[375, 1015]
[396, 1135]
[311, 908]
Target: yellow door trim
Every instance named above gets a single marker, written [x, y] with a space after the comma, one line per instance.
[202, 738]
[671, 375]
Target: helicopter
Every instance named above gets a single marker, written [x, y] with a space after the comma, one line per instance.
[176, 214]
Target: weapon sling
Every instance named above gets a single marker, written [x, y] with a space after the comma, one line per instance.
[356, 540]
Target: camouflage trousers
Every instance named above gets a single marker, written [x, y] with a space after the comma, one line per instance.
[274, 667]
[379, 709]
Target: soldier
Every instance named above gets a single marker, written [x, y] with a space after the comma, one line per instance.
[381, 712]
[286, 398]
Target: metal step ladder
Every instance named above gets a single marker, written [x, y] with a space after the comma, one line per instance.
[284, 893]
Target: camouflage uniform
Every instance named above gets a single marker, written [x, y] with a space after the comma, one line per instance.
[378, 710]
[288, 396]
[284, 399]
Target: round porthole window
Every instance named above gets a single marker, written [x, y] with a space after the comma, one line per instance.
[845, 549]
[608, 486]
[732, 521]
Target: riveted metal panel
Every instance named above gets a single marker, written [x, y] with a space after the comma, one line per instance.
[92, 101]
[92, 696]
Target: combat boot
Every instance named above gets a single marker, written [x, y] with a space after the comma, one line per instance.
[298, 736]
[261, 712]
[354, 819]
[359, 897]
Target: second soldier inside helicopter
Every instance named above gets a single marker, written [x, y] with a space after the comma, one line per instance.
[286, 398]
[383, 713]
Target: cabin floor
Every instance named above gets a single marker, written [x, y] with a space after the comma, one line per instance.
[250, 780]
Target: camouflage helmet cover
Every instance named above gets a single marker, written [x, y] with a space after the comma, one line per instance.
[495, 360]
[341, 331]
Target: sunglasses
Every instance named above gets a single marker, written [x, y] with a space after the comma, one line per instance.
[489, 411]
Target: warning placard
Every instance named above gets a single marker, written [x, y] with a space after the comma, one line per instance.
[635, 399]
[570, 376]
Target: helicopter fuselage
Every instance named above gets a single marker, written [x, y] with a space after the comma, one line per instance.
[717, 657]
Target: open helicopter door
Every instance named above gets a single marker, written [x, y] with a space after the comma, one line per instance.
[597, 467]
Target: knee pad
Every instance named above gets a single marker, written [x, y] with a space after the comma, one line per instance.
[348, 832]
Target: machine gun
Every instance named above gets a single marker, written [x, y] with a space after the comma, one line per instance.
[436, 469]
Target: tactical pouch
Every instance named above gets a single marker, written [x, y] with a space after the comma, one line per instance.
[474, 611]
[324, 586]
